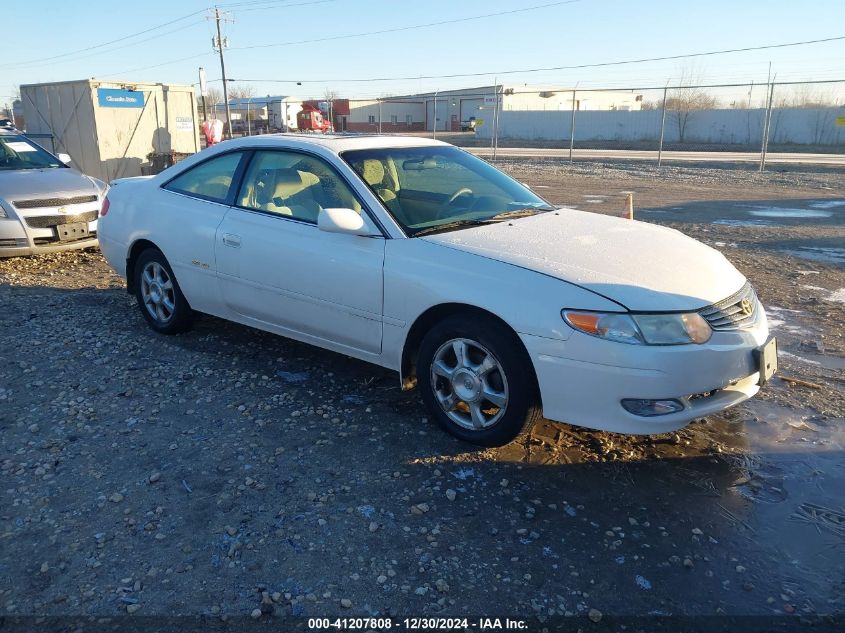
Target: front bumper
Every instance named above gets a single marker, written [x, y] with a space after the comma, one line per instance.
[584, 379]
[17, 238]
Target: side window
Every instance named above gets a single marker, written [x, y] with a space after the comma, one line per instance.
[293, 185]
[210, 180]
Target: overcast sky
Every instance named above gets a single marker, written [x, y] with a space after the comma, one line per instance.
[43, 41]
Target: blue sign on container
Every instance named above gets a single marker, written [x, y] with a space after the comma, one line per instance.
[119, 98]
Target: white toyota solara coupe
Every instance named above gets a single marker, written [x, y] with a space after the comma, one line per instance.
[417, 256]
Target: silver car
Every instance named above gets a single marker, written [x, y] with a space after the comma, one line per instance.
[45, 205]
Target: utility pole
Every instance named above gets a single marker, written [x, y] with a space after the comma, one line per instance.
[220, 45]
[662, 127]
[572, 129]
[494, 136]
[203, 91]
[434, 127]
[766, 119]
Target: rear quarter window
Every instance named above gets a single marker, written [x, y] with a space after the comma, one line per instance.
[210, 180]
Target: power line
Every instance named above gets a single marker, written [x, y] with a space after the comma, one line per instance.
[555, 68]
[274, 5]
[168, 63]
[117, 48]
[347, 36]
[409, 27]
[96, 46]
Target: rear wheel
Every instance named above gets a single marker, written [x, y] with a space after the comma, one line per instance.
[477, 380]
[159, 297]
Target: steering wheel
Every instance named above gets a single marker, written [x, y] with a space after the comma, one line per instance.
[460, 192]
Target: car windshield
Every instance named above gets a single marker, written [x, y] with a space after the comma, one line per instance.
[440, 188]
[18, 152]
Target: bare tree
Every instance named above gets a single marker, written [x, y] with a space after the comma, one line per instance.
[241, 91]
[806, 96]
[214, 96]
[685, 100]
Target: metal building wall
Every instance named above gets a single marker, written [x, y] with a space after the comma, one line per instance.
[65, 111]
[113, 141]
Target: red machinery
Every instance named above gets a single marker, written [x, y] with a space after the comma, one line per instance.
[311, 119]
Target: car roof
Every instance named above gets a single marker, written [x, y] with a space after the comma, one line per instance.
[338, 143]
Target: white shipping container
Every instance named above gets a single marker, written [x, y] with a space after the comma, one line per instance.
[110, 128]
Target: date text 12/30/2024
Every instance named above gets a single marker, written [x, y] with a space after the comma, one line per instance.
[417, 624]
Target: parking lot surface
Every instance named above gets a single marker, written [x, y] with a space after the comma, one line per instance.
[227, 470]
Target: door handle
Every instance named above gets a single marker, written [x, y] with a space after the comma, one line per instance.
[232, 240]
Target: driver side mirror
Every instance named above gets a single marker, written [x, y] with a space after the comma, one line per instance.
[65, 158]
[346, 221]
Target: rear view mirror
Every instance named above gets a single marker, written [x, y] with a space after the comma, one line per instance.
[65, 158]
[346, 221]
[419, 164]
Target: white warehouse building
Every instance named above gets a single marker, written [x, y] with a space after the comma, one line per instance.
[452, 110]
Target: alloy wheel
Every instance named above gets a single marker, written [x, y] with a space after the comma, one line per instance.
[469, 384]
[157, 292]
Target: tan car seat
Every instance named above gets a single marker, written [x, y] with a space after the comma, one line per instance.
[293, 194]
[374, 174]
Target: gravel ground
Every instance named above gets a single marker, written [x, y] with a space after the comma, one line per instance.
[229, 472]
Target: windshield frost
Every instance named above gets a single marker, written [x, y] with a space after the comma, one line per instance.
[425, 188]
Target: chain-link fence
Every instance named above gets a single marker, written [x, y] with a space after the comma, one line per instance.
[749, 121]
[679, 122]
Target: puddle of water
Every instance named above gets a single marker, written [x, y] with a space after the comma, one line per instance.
[827, 204]
[776, 212]
[744, 223]
[800, 359]
[594, 199]
[828, 362]
[827, 255]
[292, 376]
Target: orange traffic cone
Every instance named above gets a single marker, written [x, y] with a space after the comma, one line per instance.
[629, 206]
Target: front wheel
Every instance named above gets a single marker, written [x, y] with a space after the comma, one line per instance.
[477, 380]
[159, 297]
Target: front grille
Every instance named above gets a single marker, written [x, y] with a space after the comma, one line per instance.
[37, 203]
[737, 311]
[49, 221]
[13, 242]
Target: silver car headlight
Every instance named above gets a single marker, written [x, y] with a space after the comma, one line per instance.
[641, 329]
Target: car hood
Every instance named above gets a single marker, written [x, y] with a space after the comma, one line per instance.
[24, 184]
[642, 266]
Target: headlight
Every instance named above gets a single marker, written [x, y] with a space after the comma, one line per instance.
[673, 329]
[641, 329]
[613, 327]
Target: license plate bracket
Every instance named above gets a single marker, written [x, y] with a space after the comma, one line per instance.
[767, 360]
[72, 232]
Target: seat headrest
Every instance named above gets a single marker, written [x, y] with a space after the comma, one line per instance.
[373, 171]
[288, 182]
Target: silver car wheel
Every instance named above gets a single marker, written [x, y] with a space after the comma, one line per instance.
[469, 384]
[157, 292]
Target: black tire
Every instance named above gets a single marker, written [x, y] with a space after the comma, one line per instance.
[514, 376]
[169, 321]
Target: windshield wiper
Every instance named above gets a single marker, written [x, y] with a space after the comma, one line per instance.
[518, 213]
[448, 226]
[499, 217]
